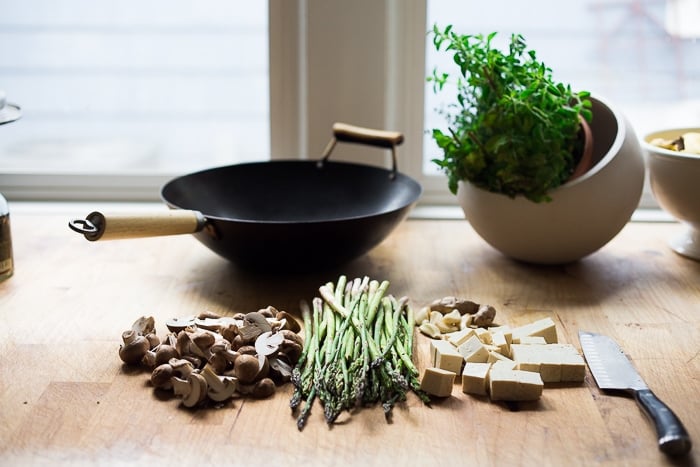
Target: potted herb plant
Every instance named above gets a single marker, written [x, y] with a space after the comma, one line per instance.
[514, 152]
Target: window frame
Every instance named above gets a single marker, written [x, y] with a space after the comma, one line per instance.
[304, 103]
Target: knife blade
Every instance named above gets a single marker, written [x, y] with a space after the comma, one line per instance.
[612, 370]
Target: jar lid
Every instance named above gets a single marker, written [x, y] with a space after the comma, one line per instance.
[8, 112]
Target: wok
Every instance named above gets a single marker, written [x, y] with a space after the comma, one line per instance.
[282, 214]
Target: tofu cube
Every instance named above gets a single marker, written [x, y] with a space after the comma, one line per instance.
[506, 364]
[514, 385]
[459, 337]
[533, 340]
[438, 382]
[445, 356]
[475, 378]
[554, 362]
[473, 350]
[496, 356]
[506, 330]
[483, 334]
[498, 339]
[545, 328]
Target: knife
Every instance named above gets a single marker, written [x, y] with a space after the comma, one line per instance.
[611, 369]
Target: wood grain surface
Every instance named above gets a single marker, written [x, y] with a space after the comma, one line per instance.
[66, 399]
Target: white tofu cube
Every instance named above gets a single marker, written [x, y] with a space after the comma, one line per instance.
[437, 382]
[475, 378]
[445, 356]
[473, 350]
[545, 328]
[515, 385]
[459, 337]
[554, 362]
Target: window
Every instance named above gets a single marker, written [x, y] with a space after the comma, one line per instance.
[641, 55]
[362, 62]
[144, 89]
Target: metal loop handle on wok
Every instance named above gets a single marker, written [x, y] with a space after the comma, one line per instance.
[355, 134]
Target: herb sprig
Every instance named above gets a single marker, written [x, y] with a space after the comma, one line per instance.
[512, 129]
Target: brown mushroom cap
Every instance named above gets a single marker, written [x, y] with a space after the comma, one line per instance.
[133, 349]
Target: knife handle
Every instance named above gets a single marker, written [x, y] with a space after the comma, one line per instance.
[673, 437]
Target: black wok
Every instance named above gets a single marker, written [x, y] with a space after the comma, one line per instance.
[282, 214]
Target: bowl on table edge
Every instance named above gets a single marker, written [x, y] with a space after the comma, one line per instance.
[674, 178]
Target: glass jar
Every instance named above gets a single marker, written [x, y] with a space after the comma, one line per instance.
[6, 263]
[8, 113]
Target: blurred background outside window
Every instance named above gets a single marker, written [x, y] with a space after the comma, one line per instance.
[133, 87]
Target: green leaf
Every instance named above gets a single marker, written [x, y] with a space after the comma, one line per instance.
[521, 124]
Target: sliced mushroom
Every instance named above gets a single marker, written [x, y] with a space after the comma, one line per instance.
[222, 357]
[193, 390]
[268, 312]
[219, 388]
[214, 324]
[268, 343]
[144, 325]
[254, 324]
[291, 322]
[182, 368]
[280, 369]
[179, 324]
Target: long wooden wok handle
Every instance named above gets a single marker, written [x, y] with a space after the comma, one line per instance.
[356, 134]
[99, 226]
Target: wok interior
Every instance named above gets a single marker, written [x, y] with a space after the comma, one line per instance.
[292, 191]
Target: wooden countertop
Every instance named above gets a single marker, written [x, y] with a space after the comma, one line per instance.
[65, 397]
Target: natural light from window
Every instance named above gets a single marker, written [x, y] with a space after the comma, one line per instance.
[163, 86]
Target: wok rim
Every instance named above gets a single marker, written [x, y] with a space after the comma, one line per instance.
[399, 177]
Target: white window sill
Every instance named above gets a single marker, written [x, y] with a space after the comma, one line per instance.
[424, 212]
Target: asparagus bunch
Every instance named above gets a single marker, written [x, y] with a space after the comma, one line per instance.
[357, 350]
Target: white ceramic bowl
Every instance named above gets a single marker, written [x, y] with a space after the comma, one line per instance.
[584, 214]
[675, 181]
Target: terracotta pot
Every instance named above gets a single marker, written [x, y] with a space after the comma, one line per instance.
[586, 160]
[584, 214]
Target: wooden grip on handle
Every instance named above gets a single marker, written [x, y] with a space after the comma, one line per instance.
[99, 226]
[370, 136]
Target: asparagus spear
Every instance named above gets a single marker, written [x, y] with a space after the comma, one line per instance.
[357, 350]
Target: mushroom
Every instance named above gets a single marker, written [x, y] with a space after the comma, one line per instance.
[162, 376]
[229, 332]
[214, 322]
[484, 316]
[164, 352]
[268, 312]
[181, 367]
[144, 325]
[280, 369]
[260, 390]
[222, 357]
[219, 388]
[134, 347]
[268, 343]
[246, 368]
[291, 323]
[254, 324]
[447, 304]
[179, 324]
[201, 342]
[193, 389]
